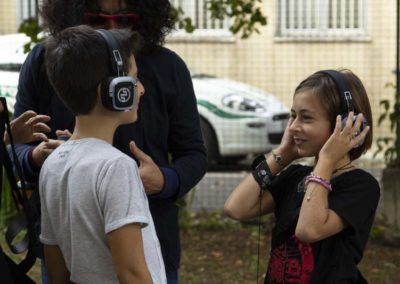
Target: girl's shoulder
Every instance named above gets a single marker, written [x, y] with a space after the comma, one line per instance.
[357, 175]
[357, 180]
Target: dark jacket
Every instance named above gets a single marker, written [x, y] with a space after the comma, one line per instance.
[167, 129]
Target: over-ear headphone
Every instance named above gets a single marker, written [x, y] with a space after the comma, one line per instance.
[118, 92]
[346, 99]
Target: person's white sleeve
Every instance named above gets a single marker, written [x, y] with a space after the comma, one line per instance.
[121, 194]
[46, 235]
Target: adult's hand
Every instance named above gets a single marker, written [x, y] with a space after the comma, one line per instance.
[43, 150]
[63, 134]
[150, 173]
[29, 127]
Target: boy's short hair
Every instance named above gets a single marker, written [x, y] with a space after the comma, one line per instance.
[323, 86]
[77, 60]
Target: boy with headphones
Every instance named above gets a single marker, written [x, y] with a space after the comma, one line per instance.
[96, 223]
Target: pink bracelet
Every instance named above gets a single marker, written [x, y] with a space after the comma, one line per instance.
[313, 178]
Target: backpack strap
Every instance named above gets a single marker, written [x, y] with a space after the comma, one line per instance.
[28, 213]
[10, 272]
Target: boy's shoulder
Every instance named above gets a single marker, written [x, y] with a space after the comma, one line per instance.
[88, 151]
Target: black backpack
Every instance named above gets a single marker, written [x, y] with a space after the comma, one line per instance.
[27, 216]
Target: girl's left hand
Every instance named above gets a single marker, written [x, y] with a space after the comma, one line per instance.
[343, 140]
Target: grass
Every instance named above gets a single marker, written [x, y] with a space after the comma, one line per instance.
[229, 255]
[217, 250]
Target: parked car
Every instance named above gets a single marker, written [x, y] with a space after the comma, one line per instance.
[236, 119]
[11, 58]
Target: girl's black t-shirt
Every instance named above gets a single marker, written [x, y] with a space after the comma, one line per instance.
[354, 198]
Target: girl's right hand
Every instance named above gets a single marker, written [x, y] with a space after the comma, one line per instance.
[287, 148]
[343, 139]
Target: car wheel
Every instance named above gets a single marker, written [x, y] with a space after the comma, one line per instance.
[210, 140]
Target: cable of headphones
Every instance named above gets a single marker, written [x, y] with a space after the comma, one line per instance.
[259, 237]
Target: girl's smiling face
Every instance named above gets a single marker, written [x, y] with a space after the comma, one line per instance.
[311, 126]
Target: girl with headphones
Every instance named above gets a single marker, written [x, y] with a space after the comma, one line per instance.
[323, 213]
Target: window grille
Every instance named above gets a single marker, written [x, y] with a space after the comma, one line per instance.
[322, 18]
[200, 15]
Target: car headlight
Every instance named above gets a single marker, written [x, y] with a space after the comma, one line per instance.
[240, 103]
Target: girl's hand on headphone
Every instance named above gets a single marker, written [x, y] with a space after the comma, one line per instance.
[288, 148]
[343, 139]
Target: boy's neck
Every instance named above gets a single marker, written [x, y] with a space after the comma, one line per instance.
[93, 126]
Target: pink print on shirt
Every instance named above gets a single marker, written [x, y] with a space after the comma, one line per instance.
[291, 262]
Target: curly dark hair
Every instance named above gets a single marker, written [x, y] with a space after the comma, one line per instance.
[156, 19]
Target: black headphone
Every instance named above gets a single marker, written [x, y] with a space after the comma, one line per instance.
[346, 99]
[118, 92]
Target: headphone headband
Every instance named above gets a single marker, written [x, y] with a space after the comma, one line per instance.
[346, 99]
[117, 65]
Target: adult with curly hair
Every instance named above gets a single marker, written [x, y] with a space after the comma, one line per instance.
[168, 144]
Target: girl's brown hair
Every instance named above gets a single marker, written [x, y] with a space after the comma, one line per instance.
[325, 89]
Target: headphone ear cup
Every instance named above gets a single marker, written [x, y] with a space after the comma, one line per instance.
[105, 93]
[362, 126]
[118, 93]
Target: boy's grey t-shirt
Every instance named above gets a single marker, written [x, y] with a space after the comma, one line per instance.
[87, 189]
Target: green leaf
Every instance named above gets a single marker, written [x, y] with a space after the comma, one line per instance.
[32, 29]
[385, 104]
[390, 85]
[381, 118]
[393, 120]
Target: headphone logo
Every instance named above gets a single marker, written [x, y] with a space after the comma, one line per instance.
[124, 95]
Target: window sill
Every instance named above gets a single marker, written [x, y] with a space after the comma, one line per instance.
[317, 39]
[201, 35]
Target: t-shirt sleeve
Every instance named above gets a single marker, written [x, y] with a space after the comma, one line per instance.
[355, 199]
[121, 195]
[46, 235]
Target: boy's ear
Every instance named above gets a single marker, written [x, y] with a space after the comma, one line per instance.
[99, 89]
[99, 101]
[98, 94]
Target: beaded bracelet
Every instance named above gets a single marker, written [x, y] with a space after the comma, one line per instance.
[319, 180]
[325, 183]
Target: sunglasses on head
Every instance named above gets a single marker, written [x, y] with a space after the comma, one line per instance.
[121, 19]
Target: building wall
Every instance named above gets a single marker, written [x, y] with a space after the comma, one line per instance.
[8, 16]
[278, 66]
